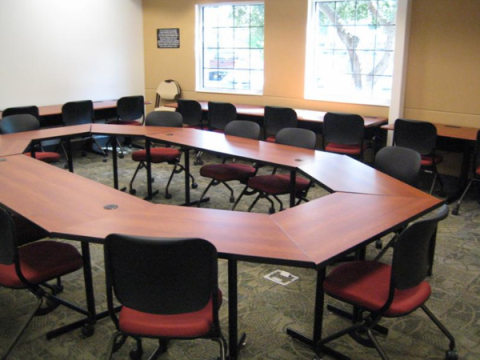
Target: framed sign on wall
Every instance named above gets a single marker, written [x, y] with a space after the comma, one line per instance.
[168, 38]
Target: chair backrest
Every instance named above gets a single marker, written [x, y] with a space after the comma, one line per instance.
[191, 111]
[420, 136]
[18, 123]
[302, 138]
[277, 118]
[161, 276]
[167, 90]
[243, 128]
[32, 110]
[398, 162]
[8, 241]
[410, 262]
[220, 114]
[344, 129]
[164, 118]
[77, 113]
[131, 108]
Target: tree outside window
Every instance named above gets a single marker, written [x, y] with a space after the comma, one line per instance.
[230, 55]
[351, 45]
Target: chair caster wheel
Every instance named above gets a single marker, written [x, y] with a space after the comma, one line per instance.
[84, 154]
[455, 211]
[271, 211]
[168, 196]
[378, 244]
[57, 289]
[194, 185]
[198, 162]
[88, 330]
[136, 354]
[451, 355]
[121, 156]
[152, 180]
[232, 199]
[104, 159]
[133, 191]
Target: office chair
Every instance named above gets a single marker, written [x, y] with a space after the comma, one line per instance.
[32, 110]
[400, 163]
[26, 122]
[168, 289]
[382, 290]
[79, 113]
[30, 266]
[476, 175]
[167, 90]
[225, 172]
[220, 114]
[344, 134]
[192, 114]
[278, 118]
[279, 184]
[130, 109]
[161, 154]
[420, 136]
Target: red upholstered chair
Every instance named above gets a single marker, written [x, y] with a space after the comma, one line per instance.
[161, 154]
[344, 134]
[26, 122]
[168, 289]
[476, 175]
[30, 267]
[381, 290]
[220, 114]
[279, 184]
[278, 118]
[225, 172]
[420, 136]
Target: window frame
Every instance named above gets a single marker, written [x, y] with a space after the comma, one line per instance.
[199, 48]
[401, 20]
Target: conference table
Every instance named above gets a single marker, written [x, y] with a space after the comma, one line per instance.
[312, 116]
[312, 235]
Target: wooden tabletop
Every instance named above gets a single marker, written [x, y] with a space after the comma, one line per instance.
[12, 147]
[302, 114]
[334, 225]
[450, 131]
[262, 151]
[49, 133]
[125, 130]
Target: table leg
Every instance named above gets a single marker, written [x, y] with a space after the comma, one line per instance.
[113, 140]
[186, 154]
[293, 180]
[69, 155]
[233, 343]
[148, 147]
[463, 179]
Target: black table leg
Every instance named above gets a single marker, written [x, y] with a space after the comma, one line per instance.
[69, 155]
[186, 154]
[293, 180]
[148, 152]
[233, 343]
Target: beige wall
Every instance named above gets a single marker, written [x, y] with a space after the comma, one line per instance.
[443, 80]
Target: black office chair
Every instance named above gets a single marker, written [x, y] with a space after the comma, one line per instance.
[279, 184]
[167, 90]
[225, 172]
[344, 134]
[420, 136]
[32, 110]
[381, 290]
[476, 175]
[31, 266]
[80, 113]
[192, 114]
[220, 114]
[130, 109]
[161, 154]
[168, 289]
[278, 118]
[26, 122]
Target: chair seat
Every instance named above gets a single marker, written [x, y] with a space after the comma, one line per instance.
[345, 149]
[121, 122]
[221, 131]
[41, 261]
[277, 184]
[228, 172]
[198, 127]
[366, 284]
[192, 324]
[430, 160]
[270, 139]
[477, 171]
[158, 155]
[48, 157]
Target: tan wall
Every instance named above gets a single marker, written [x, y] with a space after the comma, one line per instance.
[285, 34]
[443, 80]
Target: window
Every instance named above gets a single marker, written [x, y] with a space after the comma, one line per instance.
[350, 50]
[230, 48]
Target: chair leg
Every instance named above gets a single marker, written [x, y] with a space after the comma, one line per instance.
[375, 342]
[136, 354]
[223, 346]
[457, 207]
[232, 196]
[437, 322]
[161, 349]
[341, 333]
[204, 192]
[239, 197]
[280, 202]
[104, 154]
[176, 169]
[141, 165]
[254, 202]
[114, 346]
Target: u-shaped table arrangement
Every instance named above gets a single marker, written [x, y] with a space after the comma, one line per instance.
[364, 204]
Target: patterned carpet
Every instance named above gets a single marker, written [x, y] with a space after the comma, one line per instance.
[266, 309]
